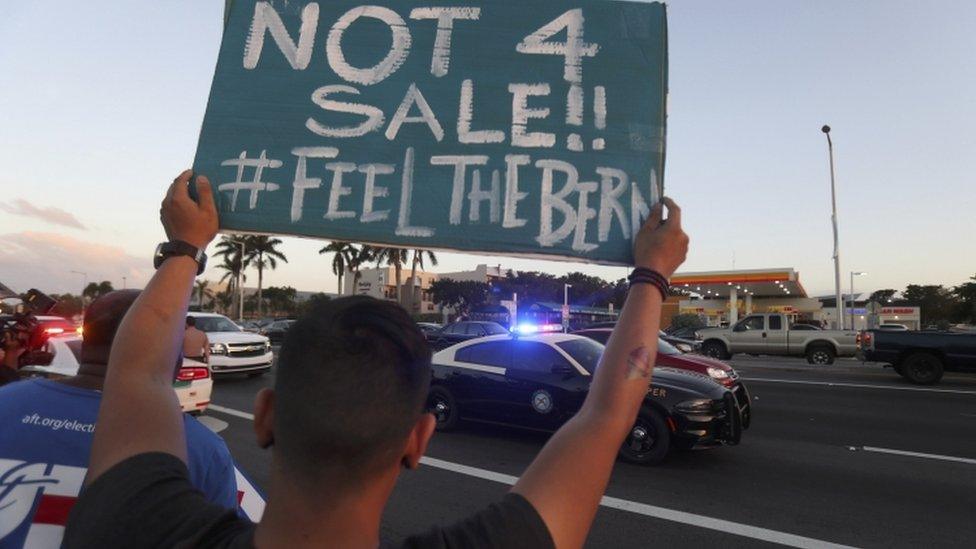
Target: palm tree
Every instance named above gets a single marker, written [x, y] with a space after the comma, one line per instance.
[264, 252]
[340, 261]
[418, 261]
[357, 258]
[97, 289]
[231, 265]
[234, 263]
[224, 300]
[229, 249]
[396, 257]
[202, 289]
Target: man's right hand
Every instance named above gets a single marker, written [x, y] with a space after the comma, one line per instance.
[661, 245]
[194, 222]
[567, 479]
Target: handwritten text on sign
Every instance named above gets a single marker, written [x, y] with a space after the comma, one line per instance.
[520, 127]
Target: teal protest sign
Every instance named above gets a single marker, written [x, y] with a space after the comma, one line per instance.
[519, 127]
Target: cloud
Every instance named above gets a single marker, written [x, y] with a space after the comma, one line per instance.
[45, 261]
[51, 214]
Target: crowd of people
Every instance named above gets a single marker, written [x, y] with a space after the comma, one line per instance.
[345, 418]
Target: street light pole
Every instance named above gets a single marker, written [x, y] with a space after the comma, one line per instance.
[853, 274]
[565, 310]
[833, 219]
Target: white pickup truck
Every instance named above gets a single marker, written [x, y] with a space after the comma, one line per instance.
[771, 334]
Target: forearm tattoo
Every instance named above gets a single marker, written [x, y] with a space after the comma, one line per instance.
[639, 364]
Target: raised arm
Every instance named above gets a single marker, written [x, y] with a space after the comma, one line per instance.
[567, 479]
[139, 411]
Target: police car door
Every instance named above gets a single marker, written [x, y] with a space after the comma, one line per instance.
[478, 379]
[540, 384]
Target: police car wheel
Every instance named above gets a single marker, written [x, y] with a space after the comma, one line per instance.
[648, 441]
[442, 404]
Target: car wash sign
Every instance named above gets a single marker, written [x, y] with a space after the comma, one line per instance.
[520, 127]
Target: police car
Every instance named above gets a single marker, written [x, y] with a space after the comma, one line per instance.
[539, 381]
[193, 383]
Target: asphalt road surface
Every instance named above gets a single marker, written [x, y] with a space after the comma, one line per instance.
[847, 454]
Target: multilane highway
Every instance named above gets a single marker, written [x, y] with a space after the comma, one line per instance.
[847, 454]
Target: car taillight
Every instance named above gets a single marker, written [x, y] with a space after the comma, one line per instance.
[866, 340]
[192, 373]
[53, 330]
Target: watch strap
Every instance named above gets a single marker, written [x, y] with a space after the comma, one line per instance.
[179, 247]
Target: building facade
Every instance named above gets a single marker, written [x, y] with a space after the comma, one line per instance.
[415, 294]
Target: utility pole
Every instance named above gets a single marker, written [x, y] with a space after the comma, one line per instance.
[240, 283]
[833, 219]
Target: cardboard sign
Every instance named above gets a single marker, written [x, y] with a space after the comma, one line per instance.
[523, 127]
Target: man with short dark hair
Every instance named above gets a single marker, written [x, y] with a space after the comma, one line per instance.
[345, 417]
[196, 345]
[46, 430]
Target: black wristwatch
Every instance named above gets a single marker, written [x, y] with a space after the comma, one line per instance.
[172, 248]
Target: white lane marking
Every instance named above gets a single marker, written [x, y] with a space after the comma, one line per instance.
[859, 385]
[919, 454]
[212, 423]
[231, 412]
[691, 519]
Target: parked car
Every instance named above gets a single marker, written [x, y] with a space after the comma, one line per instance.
[233, 350]
[277, 330]
[54, 325]
[463, 330]
[683, 345]
[193, 384]
[668, 355]
[771, 334]
[254, 326]
[919, 357]
[685, 332]
[540, 381]
[429, 327]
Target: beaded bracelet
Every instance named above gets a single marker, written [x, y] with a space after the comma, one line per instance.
[642, 275]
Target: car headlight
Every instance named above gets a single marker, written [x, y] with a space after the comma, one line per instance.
[218, 349]
[698, 336]
[718, 373]
[267, 345]
[695, 406]
[683, 347]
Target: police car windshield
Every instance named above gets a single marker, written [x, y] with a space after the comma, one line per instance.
[216, 324]
[583, 350]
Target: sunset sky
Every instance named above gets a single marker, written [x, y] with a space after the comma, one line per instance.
[101, 106]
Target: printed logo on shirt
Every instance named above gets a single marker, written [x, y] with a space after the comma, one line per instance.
[57, 424]
[51, 489]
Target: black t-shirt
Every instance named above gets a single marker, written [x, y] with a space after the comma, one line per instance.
[148, 501]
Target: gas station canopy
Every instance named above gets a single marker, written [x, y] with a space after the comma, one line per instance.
[757, 283]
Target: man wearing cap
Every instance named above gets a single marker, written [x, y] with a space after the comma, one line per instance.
[46, 430]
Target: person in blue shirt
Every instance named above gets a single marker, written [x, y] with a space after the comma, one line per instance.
[46, 431]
